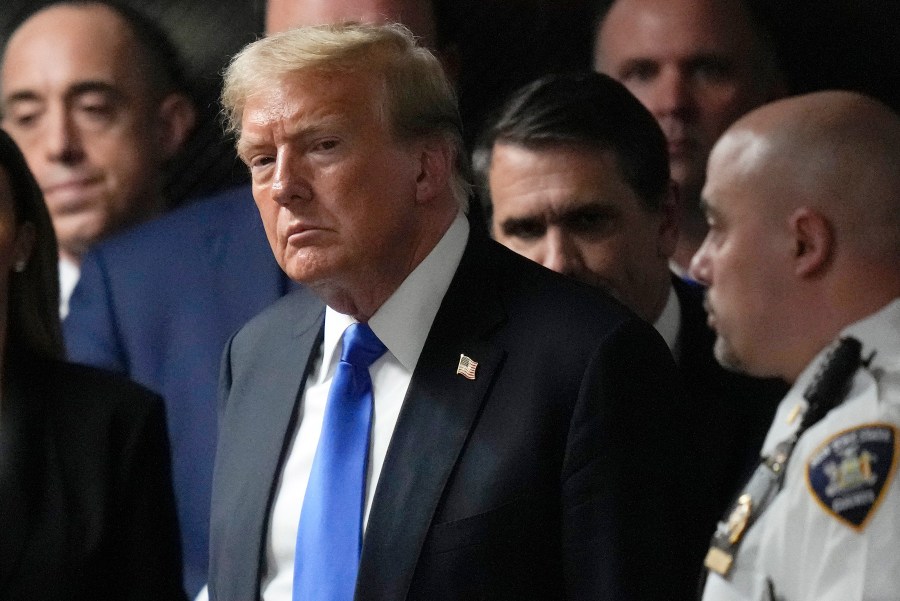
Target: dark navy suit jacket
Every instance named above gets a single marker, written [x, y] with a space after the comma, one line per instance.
[554, 474]
[158, 303]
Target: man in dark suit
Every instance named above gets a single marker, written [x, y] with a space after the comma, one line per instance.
[159, 302]
[516, 450]
[577, 175]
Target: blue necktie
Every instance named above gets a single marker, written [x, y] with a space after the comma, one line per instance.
[329, 538]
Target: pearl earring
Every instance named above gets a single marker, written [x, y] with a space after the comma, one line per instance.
[20, 265]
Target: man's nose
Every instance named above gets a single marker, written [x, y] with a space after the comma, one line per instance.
[560, 252]
[63, 139]
[699, 269]
[289, 183]
[672, 95]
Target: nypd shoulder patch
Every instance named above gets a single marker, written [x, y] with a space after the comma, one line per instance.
[849, 473]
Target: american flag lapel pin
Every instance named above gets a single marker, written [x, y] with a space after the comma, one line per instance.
[466, 367]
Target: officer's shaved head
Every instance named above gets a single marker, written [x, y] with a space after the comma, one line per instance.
[803, 201]
[838, 152]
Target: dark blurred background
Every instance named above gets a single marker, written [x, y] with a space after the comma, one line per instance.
[502, 44]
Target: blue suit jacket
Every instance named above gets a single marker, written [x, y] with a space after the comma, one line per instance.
[158, 303]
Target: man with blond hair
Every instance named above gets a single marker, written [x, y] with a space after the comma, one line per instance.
[477, 438]
[158, 303]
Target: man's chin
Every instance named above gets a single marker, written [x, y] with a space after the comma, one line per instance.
[76, 234]
[309, 268]
[689, 176]
[727, 358]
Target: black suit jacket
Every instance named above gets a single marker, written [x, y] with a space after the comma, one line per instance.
[728, 415]
[552, 475]
[86, 504]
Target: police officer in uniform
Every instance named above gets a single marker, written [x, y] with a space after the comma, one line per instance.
[802, 264]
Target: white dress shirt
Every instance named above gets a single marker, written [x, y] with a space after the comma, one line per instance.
[402, 323]
[69, 273]
[669, 322]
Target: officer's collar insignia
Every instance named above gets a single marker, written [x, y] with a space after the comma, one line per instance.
[850, 473]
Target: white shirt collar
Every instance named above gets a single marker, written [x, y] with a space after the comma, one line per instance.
[877, 332]
[402, 323]
[69, 273]
[669, 321]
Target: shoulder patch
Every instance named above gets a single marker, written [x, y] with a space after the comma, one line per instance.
[849, 474]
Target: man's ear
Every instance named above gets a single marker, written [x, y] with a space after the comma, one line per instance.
[813, 241]
[177, 117]
[669, 208]
[435, 164]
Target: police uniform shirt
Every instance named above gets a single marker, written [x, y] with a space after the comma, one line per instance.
[833, 532]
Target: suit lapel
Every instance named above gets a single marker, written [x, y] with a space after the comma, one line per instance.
[694, 336]
[268, 418]
[439, 411]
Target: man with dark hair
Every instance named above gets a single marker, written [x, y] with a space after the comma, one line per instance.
[577, 173]
[577, 177]
[92, 93]
[697, 65]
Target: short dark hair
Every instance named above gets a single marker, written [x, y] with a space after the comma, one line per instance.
[161, 64]
[590, 110]
[32, 314]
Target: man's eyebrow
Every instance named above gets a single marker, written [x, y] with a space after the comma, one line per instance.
[244, 146]
[93, 86]
[513, 223]
[705, 59]
[307, 131]
[642, 62]
[21, 96]
[76, 89]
